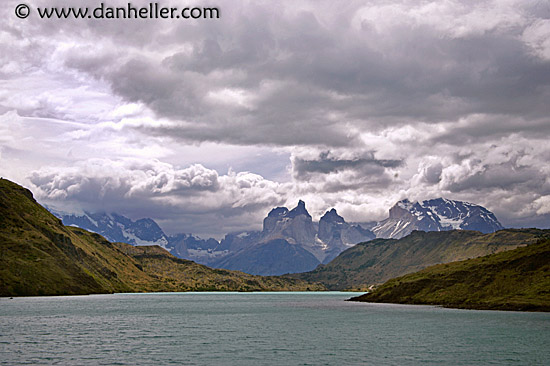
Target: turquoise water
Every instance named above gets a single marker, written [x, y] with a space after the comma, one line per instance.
[314, 328]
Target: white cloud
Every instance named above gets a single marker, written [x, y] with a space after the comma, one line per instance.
[542, 205]
[206, 125]
[537, 36]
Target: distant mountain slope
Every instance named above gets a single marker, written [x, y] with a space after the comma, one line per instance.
[323, 240]
[379, 260]
[276, 257]
[176, 274]
[117, 228]
[518, 279]
[290, 242]
[40, 256]
[435, 215]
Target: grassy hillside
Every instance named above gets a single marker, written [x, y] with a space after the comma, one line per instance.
[40, 256]
[379, 260]
[514, 280]
[175, 274]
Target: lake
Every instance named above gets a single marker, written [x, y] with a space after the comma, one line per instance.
[306, 328]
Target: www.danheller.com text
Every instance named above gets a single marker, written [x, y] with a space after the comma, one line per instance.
[129, 11]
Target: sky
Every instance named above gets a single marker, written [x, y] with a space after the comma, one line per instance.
[206, 124]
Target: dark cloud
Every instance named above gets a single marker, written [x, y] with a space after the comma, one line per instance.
[502, 176]
[326, 164]
[293, 76]
[373, 101]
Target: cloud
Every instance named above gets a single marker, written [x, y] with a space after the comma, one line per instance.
[207, 124]
[149, 187]
[536, 36]
[326, 164]
[102, 180]
[296, 76]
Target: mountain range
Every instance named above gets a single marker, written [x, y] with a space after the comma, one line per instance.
[438, 214]
[507, 269]
[290, 241]
[41, 256]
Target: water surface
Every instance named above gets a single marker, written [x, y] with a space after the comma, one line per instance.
[308, 328]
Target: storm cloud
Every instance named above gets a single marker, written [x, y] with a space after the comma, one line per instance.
[352, 105]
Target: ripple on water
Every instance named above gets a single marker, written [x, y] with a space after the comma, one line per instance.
[261, 329]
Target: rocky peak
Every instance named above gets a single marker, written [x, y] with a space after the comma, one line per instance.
[295, 225]
[338, 235]
[329, 229]
[278, 211]
[300, 209]
[403, 209]
[331, 216]
[435, 215]
[281, 214]
[275, 215]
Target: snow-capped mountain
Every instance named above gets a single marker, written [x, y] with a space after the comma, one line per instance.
[117, 228]
[438, 214]
[189, 246]
[290, 242]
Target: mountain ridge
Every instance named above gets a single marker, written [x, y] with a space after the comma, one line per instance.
[325, 239]
[512, 280]
[439, 214]
[379, 260]
[41, 256]
[294, 226]
[284, 228]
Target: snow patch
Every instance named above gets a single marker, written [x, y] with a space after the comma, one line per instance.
[162, 242]
[209, 253]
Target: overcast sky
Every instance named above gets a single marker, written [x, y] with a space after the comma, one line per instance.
[205, 125]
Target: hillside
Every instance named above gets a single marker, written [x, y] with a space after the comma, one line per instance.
[176, 274]
[514, 280]
[290, 241]
[276, 257]
[40, 256]
[379, 260]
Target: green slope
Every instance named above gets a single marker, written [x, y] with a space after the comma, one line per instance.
[379, 260]
[40, 256]
[175, 274]
[518, 279]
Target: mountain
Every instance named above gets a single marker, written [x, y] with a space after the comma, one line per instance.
[438, 214]
[513, 280]
[290, 242]
[275, 257]
[339, 235]
[379, 260]
[41, 256]
[117, 228]
[189, 246]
